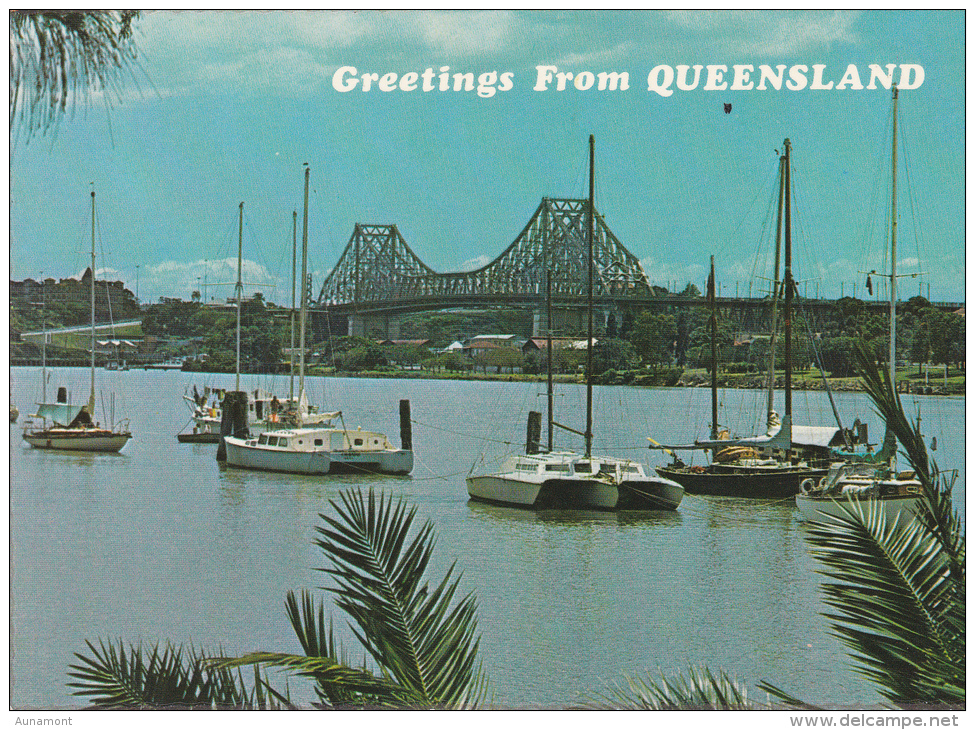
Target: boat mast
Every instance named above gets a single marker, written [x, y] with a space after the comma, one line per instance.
[713, 324]
[43, 341]
[304, 275]
[294, 257]
[91, 396]
[788, 283]
[776, 290]
[589, 237]
[550, 391]
[892, 361]
[239, 289]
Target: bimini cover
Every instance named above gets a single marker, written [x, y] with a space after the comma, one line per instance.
[61, 413]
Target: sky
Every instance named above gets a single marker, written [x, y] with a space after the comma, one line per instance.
[226, 106]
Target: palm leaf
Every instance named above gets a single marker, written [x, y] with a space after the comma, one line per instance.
[699, 690]
[113, 677]
[898, 593]
[418, 635]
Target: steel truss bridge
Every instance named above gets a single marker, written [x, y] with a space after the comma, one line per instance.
[379, 279]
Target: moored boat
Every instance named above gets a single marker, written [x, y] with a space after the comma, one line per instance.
[320, 448]
[565, 479]
[73, 427]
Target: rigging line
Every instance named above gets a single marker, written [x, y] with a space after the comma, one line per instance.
[461, 433]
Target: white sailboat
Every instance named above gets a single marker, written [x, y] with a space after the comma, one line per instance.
[264, 409]
[72, 426]
[565, 479]
[314, 445]
[899, 493]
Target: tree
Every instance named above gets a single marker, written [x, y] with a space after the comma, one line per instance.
[611, 354]
[421, 641]
[59, 58]
[654, 336]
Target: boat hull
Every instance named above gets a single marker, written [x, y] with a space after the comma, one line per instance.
[724, 481]
[594, 494]
[243, 456]
[198, 438]
[899, 509]
[91, 440]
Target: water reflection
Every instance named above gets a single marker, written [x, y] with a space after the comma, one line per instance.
[624, 518]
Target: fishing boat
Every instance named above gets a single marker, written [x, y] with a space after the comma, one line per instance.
[898, 492]
[315, 445]
[566, 479]
[772, 465]
[72, 426]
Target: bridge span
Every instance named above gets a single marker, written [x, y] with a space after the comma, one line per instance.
[379, 280]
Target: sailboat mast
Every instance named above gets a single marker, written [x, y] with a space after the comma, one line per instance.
[776, 290]
[892, 361]
[304, 278]
[787, 281]
[294, 258]
[43, 341]
[550, 390]
[91, 396]
[239, 289]
[713, 323]
[589, 237]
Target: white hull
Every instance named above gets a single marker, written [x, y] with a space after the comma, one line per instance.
[249, 454]
[900, 509]
[92, 440]
[551, 481]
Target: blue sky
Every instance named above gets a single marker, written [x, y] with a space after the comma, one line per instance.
[228, 105]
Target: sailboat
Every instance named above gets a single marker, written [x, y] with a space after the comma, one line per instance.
[566, 479]
[314, 445]
[264, 410]
[775, 464]
[72, 426]
[898, 492]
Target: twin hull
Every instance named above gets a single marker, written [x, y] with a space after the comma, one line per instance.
[565, 493]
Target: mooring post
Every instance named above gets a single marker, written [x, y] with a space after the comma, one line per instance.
[534, 432]
[233, 421]
[405, 425]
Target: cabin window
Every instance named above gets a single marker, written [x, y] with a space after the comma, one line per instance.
[632, 470]
[272, 441]
[557, 467]
[300, 441]
[262, 439]
[584, 468]
[358, 442]
[522, 466]
[318, 442]
[375, 442]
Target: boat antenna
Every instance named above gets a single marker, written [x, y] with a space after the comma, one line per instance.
[589, 240]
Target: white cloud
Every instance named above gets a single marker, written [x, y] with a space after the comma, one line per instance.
[476, 263]
[769, 33]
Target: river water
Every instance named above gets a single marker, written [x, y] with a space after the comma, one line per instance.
[160, 542]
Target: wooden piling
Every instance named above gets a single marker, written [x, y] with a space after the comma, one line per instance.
[534, 432]
[233, 421]
[405, 425]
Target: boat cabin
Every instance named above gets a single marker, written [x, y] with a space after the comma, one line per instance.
[326, 439]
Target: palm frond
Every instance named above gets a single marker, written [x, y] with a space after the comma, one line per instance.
[898, 592]
[700, 689]
[417, 635]
[164, 677]
[61, 57]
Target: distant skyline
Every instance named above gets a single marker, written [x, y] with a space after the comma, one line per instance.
[228, 105]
